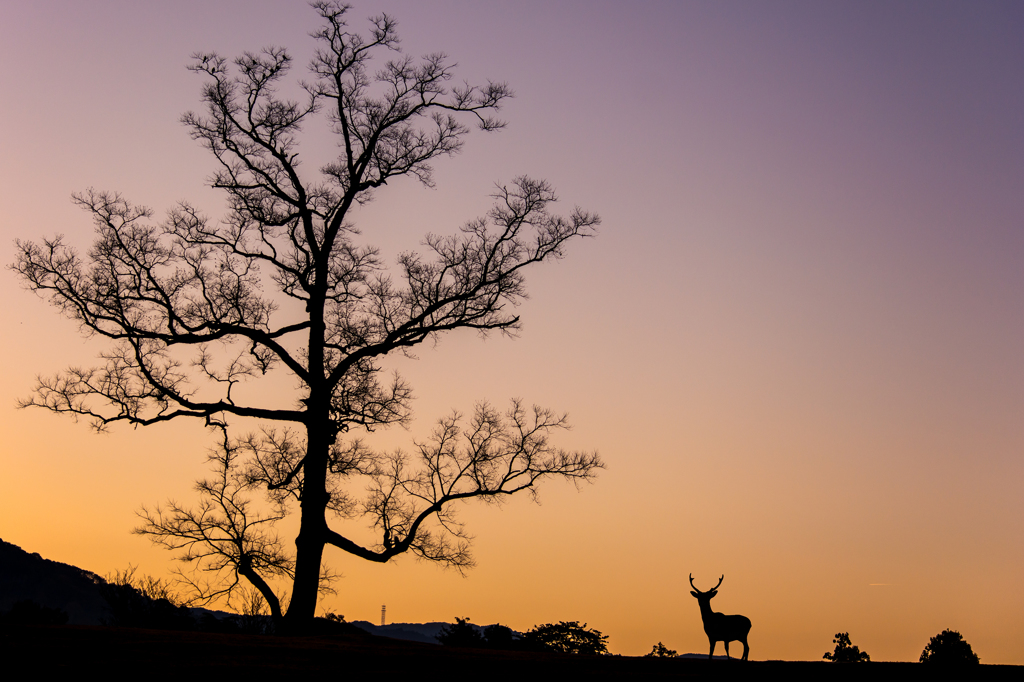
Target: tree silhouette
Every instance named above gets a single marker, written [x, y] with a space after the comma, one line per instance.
[846, 651]
[498, 636]
[949, 648]
[461, 633]
[568, 637]
[183, 303]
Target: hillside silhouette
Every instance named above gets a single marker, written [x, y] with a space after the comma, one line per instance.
[31, 584]
[50, 584]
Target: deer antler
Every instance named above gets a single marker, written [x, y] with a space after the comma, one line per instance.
[712, 589]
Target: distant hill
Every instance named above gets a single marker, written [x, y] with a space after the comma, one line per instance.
[412, 632]
[51, 584]
[83, 595]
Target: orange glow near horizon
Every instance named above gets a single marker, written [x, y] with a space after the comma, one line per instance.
[796, 340]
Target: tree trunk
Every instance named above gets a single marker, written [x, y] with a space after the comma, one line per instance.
[257, 581]
[309, 545]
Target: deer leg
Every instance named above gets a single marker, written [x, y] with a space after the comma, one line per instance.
[712, 652]
[746, 649]
[727, 649]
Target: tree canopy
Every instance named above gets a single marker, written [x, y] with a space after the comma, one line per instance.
[569, 637]
[949, 648]
[461, 633]
[286, 284]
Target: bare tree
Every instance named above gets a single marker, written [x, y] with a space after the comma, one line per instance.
[224, 539]
[183, 302]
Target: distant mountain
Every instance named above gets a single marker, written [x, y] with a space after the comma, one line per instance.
[413, 632]
[51, 584]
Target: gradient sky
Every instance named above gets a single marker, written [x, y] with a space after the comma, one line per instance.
[797, 341]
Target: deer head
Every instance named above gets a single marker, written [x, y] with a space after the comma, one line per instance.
[705, 597]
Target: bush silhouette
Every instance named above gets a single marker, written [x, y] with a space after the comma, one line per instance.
[845, 651]
[949, 648]
[461, 633]
[499, 636]
[567, 637]
[465, 634]
[661, 651]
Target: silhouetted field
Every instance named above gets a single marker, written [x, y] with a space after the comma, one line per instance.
[163, 654]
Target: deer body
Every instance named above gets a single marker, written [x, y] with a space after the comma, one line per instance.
[718, 626]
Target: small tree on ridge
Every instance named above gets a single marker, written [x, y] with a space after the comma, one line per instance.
[659, 650]
[846, 651]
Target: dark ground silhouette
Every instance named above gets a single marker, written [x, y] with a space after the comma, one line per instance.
[167, 654]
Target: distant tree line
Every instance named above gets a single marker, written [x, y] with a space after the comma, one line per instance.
[569, 637]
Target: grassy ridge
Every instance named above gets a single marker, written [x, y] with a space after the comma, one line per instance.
[156, 654]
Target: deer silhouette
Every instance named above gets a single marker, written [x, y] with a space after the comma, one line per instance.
[718, 626]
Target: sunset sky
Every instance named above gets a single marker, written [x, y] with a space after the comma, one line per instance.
[797, 342]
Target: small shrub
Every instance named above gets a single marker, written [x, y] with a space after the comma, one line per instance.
[845, 651]
[661, 651]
